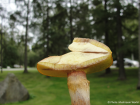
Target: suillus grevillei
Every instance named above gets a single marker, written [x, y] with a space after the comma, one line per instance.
[86, 56]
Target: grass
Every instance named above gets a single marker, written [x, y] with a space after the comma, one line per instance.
[54, 91]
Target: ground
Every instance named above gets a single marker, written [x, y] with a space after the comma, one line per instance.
[104, 89]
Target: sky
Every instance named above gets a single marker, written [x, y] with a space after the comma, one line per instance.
[10, 6]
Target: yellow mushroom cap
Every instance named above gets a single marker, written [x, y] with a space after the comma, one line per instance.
[92, 57]
[88, 45]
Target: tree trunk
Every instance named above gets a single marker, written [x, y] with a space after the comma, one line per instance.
[44, 31]
[138, 86]
[1, 64]
[47, 28]
[71, 28]
[106, 32]
[26, 36]
[122, 75]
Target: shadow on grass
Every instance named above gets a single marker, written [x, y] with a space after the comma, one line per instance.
[18, 102]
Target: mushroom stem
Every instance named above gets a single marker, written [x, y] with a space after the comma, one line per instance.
[79, 88]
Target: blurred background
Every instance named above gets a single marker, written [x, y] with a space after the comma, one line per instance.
[31, 30]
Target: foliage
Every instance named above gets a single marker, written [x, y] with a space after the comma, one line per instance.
[10, 55]
[32, 58]
[50, 25]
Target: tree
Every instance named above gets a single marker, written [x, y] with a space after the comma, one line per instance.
[42, 13]
[2, 16]
[26, 36]
[82, 24]
[45, 28]
[98, 14]
[21, 18]
[1, 64]
[32, 58]
[138, 86]
[59, 36]
[120, 41]
[130, 27]
[106, 30]
[1, 43]
[71, 28]
[103, 20]
[57, 28]
[10, 54]
[115, 15]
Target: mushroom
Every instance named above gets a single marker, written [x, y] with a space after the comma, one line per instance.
[87, 56]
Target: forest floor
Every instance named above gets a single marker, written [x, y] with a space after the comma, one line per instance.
[104, 90]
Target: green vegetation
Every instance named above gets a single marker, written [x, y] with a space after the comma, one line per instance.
[54, 91]
[54, 23]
